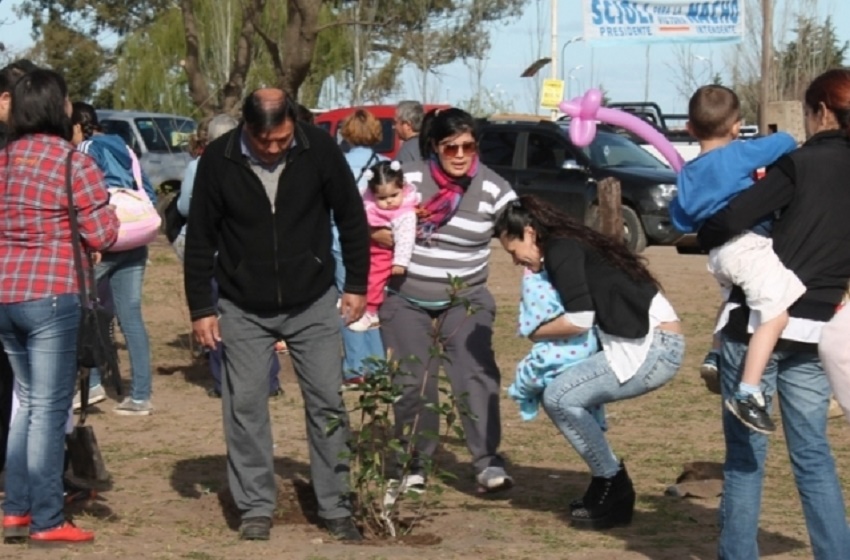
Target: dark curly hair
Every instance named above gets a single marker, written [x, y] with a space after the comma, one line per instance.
[551, 223]
[85, 115]
[384, 174]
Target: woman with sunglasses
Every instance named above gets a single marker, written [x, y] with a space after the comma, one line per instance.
[461, 199]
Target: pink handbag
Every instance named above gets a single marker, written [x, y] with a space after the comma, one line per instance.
[138, 217]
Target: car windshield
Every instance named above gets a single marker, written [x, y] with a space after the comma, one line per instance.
[165, 134]
[612, 150]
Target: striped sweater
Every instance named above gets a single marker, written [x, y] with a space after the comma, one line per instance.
[460, 248]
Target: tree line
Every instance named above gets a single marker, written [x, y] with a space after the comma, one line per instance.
[200, 57]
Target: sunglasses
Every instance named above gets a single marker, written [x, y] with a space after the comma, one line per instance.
[452, 150]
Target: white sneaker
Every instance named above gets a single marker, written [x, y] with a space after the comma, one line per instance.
[411, 483]
[96, 394]
[494, 479]
[366, 322]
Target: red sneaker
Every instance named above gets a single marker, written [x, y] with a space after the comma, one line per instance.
[65, 534]
[16, 527]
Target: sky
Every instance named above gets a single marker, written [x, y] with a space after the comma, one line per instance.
[625, 72]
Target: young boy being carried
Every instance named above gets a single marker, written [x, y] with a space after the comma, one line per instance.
[725, 167]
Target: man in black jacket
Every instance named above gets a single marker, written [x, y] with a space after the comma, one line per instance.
[261, 224]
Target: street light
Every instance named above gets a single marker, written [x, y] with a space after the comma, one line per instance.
[569, 76]
[573, 40]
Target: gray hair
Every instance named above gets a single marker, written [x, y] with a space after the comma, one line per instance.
[220, 125]
[410, 112]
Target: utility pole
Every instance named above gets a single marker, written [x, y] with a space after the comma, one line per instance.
[554, 55]
[766, 60]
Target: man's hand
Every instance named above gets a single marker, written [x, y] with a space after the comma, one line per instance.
[206, 331]
[96, 257]
[382, 236]
[352, 307]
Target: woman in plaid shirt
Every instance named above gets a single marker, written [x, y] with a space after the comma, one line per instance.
[39, 303]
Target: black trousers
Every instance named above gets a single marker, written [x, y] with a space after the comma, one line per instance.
[6, 378]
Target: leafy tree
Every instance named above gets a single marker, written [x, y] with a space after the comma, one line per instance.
[78, 58]
[427, 34]
[808, 47]
[212, 59]
[94, 16]
[815, 49]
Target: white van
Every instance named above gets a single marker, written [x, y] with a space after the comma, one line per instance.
[159, 140]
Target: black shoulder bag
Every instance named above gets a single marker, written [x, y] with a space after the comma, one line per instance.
[372, 158]
[95, 348]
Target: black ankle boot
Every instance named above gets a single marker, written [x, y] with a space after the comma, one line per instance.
[611, 504]
[596, 485]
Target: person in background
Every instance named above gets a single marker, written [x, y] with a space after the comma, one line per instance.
[39, 298]
[408, 121]
[123, 270]
[461, 199]
[260, 223]
[603, 286]
[209, 130]
[809, 187]
[9, 76]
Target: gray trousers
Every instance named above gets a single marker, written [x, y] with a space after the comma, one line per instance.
[407, 330]
[313, 338]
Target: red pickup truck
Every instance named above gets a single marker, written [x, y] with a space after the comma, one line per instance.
[331, 120]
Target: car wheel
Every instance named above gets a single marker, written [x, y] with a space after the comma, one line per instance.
[635, 236]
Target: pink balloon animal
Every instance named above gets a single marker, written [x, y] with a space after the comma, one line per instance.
[586, 110]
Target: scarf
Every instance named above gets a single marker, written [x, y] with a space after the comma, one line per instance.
[439, 209]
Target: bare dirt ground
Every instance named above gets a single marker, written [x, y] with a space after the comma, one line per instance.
[168, 468]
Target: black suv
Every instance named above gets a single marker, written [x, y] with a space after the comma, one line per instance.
[537, 157]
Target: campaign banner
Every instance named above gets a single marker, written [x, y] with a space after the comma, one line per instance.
[658, 21]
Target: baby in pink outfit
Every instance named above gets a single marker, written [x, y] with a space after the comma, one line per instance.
[389, 203]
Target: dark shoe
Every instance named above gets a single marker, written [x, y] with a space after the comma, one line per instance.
[609, 502]
[255, 528]
[16, 528]
[752, 412]
[213, 393]
[63, 535]
[710, 371]
[343, 529]
[76, 493]
[596, 484]
[276, 393]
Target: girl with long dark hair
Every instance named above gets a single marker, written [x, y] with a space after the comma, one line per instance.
[604, 286]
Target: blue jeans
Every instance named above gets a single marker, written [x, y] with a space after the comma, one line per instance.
[803, 392]
[569, 398]
[356, 346]
[40, 338]
[125, 273]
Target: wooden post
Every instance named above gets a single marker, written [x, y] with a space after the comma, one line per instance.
[766, 56]
[610, 208]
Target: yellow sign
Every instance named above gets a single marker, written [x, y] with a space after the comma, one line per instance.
[552, 93]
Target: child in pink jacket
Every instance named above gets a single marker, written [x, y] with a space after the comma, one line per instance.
[389, 203]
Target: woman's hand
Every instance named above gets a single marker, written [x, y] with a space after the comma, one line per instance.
[382, 236]
[96, 257]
